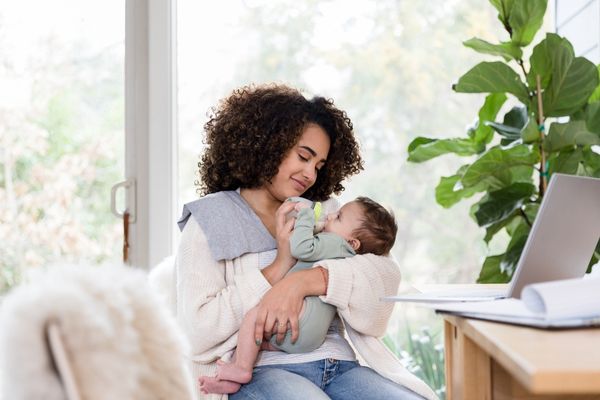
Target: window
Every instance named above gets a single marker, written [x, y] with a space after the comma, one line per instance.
[61, 132]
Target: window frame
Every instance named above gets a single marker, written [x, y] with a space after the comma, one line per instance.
[151, 128]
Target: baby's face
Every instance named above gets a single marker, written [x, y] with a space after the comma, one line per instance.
[345, 221]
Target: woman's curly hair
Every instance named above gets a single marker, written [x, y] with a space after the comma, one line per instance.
[251, 131]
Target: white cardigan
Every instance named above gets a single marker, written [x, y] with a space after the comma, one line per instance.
[213, 296]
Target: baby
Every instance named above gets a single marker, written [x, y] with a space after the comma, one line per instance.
[359, 227]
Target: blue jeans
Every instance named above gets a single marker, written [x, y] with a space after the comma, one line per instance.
[321, 380]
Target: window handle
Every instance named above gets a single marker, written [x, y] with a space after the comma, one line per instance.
[128, 214]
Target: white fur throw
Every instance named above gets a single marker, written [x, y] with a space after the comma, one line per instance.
[120, 339]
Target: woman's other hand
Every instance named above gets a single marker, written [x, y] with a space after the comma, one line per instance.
[283, 230]
[279, 310]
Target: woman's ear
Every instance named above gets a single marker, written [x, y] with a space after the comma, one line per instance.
[354, 243]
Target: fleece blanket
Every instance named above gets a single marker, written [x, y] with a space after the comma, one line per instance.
[120, 338]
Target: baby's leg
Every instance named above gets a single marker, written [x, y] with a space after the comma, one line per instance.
[240, 370]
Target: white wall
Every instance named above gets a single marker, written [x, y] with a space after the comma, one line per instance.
[579, 21]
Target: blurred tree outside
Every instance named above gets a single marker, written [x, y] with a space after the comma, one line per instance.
[61, 134]
[389, 64]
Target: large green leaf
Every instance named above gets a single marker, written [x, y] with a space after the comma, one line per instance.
[530, 210]
[504, 7]
[499, 204]
[526, 214]
[541, 58]
[496, 227]
[566, 161]
[505, 177]
[596, 94]
[506, 131]
[513, 123]
[530, 132]
[428, 148]
[515, 248]
[508, 51]
[497, 163]
[569, 81]
[418, 142]
[578, 115]
[569, 134]
[490, 271]
[591, 162]
[526, 17]
[492, 77]
[570, 87]
[450, 191]
[592, 117]
[493, 102]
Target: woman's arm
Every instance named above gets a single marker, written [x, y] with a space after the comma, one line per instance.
[284, 259]
[208, 308]
[356, 285]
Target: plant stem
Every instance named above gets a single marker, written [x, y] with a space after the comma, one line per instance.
[540, 121]
[525, 217]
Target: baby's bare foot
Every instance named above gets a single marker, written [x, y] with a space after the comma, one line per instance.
[213, 385]
[233, 372]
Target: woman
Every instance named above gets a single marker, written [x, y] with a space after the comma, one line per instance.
[265, 144]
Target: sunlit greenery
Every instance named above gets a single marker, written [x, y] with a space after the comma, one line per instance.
[419, 343]
[551, 91]
[61, 146]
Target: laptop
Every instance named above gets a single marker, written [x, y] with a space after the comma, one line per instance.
[560, 244]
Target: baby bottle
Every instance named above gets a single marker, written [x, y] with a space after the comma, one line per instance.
[320, 216]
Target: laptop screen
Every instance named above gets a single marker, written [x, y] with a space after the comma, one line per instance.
[564, 234]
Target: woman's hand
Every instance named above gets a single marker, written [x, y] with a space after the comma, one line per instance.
[280, 309]
[283, 230]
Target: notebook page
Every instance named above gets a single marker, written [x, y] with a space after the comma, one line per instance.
[569, 298]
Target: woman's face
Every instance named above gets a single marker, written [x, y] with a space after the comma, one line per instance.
[300, 166]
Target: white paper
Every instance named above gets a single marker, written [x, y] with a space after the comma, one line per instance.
[570, 299]
[506, 307]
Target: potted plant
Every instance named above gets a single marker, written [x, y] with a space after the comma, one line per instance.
[552, 125]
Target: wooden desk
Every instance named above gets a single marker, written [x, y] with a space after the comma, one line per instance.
[487, 360]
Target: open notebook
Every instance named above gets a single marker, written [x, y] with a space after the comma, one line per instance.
[570, 303]
[560, 245]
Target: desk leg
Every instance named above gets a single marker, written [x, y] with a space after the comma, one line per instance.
[468, 367]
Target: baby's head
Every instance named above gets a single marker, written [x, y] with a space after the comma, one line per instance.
[365, 224]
